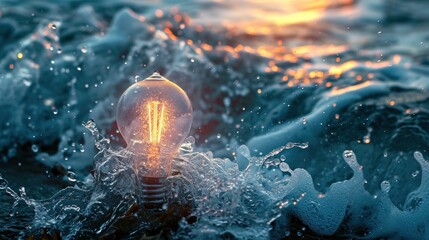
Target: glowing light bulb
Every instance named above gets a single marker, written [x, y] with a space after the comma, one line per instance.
[154, 116]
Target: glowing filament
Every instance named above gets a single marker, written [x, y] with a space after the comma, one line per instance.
[156, 120]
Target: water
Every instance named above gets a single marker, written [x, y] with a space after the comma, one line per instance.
[346, 81]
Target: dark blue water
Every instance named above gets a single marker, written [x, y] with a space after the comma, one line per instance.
[345, 81]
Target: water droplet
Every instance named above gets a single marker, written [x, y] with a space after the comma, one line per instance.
[34, 148]
[26, 82]
[276, 162]
[3, 183]
[11, 152]
[367, 139]
[102, 143]
[90, 125]
[165, 206]
[348, 154]
[385, 186]
[71, 176]
[227, 101]
[284, 167]
[84, 49]
[418, 156]
[22, 192]
[228, 147]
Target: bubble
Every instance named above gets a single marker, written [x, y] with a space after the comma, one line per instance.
[34, 148]
[415, 173]
[282, 157]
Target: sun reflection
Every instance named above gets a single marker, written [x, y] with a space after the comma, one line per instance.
[320, 62]
[258, 17]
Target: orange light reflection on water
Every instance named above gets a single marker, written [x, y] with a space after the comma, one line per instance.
[262, 29]
[341, 91]
[266, 17]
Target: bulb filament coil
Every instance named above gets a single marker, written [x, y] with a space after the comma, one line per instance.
[156, 119]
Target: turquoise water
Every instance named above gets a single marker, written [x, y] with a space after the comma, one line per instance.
[332, 77]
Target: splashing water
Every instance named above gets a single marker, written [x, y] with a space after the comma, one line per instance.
[258, 201]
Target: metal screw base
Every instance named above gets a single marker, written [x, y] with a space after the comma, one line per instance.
[154, 192]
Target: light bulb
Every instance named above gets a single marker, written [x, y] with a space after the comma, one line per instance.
[154, 117]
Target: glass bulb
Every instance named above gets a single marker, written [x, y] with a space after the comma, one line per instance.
[154, 116]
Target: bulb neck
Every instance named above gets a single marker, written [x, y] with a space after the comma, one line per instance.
[155, 77]
[154, 192]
